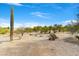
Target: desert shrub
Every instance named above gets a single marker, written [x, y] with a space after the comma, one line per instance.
[28, 30]
[20, 31]
[4, 30]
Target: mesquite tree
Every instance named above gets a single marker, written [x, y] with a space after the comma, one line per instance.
[11, 24]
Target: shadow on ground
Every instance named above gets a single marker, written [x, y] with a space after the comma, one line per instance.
[3, 42]
[71, 40]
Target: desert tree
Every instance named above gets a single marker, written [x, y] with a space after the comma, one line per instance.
[50, 28]
[20, 30]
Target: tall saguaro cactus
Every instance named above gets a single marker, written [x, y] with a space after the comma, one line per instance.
[11, 24]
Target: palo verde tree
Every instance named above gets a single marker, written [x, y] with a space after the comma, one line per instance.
[11, 24]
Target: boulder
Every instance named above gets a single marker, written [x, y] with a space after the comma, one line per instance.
[52, 36]
[76, 35]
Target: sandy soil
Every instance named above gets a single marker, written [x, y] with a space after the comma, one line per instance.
[32, 45]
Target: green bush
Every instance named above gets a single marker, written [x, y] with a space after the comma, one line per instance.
[4, 30]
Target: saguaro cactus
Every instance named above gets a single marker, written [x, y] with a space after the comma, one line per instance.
[11, 24]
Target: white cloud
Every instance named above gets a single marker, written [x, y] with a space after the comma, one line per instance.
[28, 24]
[16, 4]
[68, 22]
[40, 14]
[4, 22]
[32, 24]
[16, 25]
[4, 25]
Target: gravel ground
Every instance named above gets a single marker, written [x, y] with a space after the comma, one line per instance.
[39, 45]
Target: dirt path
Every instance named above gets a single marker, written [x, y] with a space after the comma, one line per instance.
[40, 46]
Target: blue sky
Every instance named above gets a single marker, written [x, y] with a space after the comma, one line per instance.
[33, 14]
